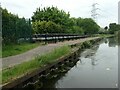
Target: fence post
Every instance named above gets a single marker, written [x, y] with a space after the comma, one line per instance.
[30, 31]
[45, 39]
[55, 39]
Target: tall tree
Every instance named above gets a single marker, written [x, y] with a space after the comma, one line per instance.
[89, 26]
[52, 14]
[14, 28]
[113, 27]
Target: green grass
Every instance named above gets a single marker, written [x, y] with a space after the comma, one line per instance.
[0, 53]
[105, 35]
[10, 50]
[39, 61]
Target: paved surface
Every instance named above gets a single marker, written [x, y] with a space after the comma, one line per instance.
[29, 55]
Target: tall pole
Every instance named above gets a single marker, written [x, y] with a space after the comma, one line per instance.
[94, 13]
[119, 12]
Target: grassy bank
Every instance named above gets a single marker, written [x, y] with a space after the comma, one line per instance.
[10, 50]
[105, 35]
[25, 67]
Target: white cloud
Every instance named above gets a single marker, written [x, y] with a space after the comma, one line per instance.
[77, 8]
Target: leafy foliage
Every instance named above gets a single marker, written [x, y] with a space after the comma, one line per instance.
[51, 14]
[113, 27]
[46, 27]
[14, 28]
[53, 20]
[46, 20]
[76, 30]
[89, 26]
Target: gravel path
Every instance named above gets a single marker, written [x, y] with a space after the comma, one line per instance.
[29, 55]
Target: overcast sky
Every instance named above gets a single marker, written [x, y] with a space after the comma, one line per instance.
[108, 9]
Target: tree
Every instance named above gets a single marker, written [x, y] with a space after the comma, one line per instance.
[77, 30]
[106, 28]
[62, 19]
[89, 26]
[14, 28]
[46, 27]
[52, 14]
[52, 27]
[113, 27]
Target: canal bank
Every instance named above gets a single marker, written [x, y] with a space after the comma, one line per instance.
[35, 75]
[97, 67]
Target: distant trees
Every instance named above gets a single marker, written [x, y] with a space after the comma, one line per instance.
[88, 25]
[106, 28]
[53, 20]
[14, 28]
[113, 27]
[51, 14]
[46, 20]
[75, 30]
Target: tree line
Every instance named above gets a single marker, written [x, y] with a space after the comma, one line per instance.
[14, 28]
[113, 27]
[44, 20]
[53, 20]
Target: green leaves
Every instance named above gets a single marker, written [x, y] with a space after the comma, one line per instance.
[14, 28]
[51, 14]
[89, 25]
[113, 27]
[46, 27]
[46, 20]
[58, 21]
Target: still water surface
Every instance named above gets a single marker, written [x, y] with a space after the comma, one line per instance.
[97, 68]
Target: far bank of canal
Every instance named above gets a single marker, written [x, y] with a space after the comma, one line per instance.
[97, 67]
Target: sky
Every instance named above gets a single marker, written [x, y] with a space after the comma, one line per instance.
[107, 9]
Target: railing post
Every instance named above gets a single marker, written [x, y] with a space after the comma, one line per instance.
[45, 39]
[62, 38]
[55, 38]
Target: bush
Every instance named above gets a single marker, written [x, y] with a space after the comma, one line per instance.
[46, 27]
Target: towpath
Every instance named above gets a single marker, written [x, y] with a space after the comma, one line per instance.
[29, 55]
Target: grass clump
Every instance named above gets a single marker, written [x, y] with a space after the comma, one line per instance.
[50, 57]
[14, 49]
[26, 67]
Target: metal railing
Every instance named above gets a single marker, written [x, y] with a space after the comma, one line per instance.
[56, 37]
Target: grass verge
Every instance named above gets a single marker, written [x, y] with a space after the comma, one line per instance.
[26, 67]
[106, 35]
[10, 50]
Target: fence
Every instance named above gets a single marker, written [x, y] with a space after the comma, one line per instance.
[56, 37]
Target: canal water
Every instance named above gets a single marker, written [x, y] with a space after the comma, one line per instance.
[97, 67]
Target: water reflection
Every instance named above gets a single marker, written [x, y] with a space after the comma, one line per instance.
[97, 68]
[118, 38]
[113, 42]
